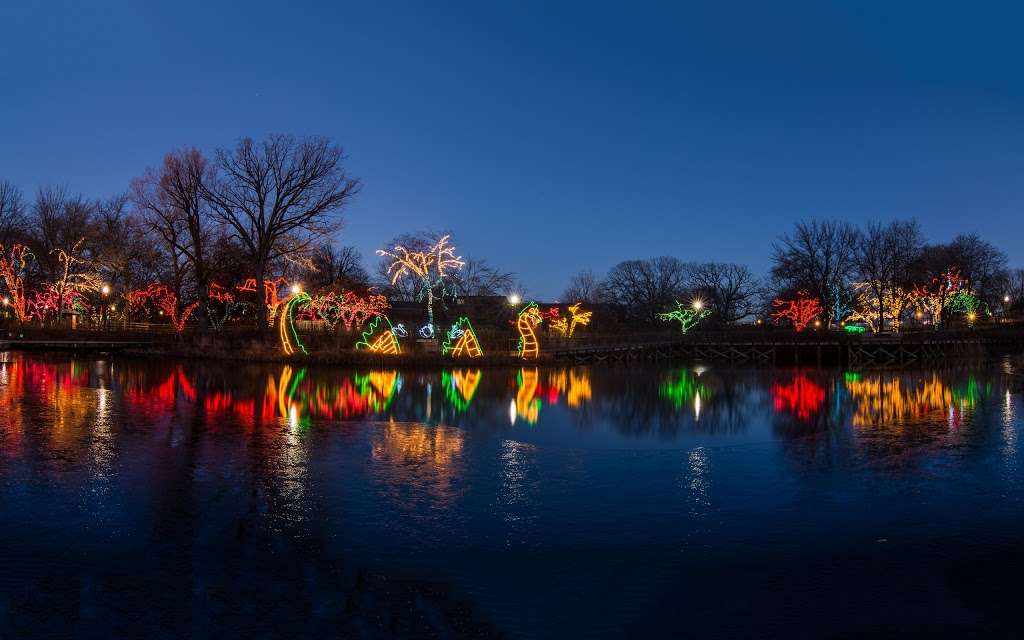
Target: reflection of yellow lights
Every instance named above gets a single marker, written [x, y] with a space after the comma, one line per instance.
[527, 405]
[879, 401]
[417, 442]
[574, 384]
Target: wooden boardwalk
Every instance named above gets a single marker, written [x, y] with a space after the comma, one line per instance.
[869, 351]
[72, 345]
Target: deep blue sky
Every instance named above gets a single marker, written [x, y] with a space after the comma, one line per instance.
[549, 138]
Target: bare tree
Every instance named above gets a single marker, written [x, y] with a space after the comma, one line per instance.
[339, 267]
[731, 290]
[59, 221]
[887, 259]
[583, 287]
[172, 196]
[644, 288]
[478, 278]
[12, 212]
[818, 257]
[982, 264]
[279, 196]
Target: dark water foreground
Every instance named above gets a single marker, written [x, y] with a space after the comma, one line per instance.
[165, 499]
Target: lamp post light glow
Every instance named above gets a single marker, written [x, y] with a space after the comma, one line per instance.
[515, 299]
[105, 290]
[698, 304]
[296, 289]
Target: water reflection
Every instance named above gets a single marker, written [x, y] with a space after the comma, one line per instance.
[223, 478]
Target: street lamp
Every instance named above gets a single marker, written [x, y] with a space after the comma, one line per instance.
[698, 304]
[296, 289]
[515, 299]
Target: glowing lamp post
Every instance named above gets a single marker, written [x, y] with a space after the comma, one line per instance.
[105, 290]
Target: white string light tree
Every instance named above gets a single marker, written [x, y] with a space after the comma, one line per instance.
[430, 268]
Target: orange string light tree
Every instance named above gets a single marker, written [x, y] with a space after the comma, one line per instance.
[429, 267]
[799, 310]
[13, 264]
[165, 300]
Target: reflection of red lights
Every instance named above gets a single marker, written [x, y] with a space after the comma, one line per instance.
[802, 396]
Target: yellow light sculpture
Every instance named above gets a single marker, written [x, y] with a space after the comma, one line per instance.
[462, 341]
[529, 347]
[379, 337]
[526, 405]
[286, 325]
[579, 318]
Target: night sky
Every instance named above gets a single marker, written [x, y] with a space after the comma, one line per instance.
[549, 139]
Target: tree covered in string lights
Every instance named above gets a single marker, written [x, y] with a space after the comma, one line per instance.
[800, 310]
[688, 316]
[429, 268]
[13, 268]
[165, 300]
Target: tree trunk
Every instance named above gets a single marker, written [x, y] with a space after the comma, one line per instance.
[261, 306]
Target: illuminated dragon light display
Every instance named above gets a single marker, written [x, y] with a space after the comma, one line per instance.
[461, 341]
[381, 337]
[526, 322]
[286, 325]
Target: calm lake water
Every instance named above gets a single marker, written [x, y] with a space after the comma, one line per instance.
[172, 499]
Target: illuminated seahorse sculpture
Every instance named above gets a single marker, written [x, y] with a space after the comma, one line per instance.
[461, 341]
[286, 324]
[528, 318]
[380, 337]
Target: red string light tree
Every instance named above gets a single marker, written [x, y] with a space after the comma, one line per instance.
[166, 300]
[799, 310]
[13, 263]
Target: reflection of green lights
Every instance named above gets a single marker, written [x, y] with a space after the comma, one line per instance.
[968, 394]
[854, 328]
[455, 394]
[681, 388]
[367, 391]
[851, 376]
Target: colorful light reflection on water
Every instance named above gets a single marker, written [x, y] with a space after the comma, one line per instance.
[366, 495]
